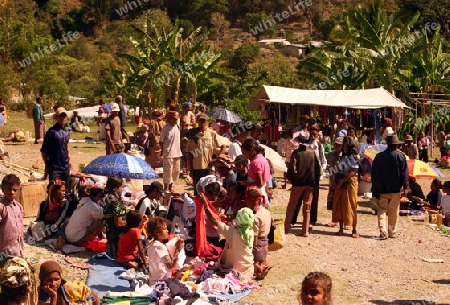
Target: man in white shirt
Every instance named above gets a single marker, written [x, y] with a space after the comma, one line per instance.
[239, 137]
[170, 150]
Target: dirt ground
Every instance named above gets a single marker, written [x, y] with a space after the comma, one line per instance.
[364, 270]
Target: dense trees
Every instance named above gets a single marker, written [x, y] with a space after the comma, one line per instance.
[196, 49]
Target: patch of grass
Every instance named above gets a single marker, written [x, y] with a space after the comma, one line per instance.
[443, 230]
[19, 120]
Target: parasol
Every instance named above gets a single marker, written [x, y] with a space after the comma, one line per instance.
[420, 169]
[224, 115]
[275, 158]
[123, 165]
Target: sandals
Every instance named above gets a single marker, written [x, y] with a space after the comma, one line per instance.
[263, 274]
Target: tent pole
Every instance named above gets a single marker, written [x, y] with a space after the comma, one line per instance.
[431, 132]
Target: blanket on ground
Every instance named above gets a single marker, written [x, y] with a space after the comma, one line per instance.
[105, 275]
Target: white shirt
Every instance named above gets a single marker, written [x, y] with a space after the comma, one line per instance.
[157, 268]
[170, 137]
[82, 218]
[235, 149]
[150, 204]
[445, 204]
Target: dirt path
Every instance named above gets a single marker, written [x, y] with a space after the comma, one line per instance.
[364, 270]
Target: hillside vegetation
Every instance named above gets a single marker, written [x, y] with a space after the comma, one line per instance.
[206, 50]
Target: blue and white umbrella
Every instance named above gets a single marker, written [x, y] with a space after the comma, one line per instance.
[122, 165]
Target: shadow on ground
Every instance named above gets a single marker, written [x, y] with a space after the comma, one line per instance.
[406, 302]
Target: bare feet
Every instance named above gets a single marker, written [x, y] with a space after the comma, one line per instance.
[355, 234]
[60, 243]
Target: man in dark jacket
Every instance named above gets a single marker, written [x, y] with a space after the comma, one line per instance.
[389, 175]
[304, 173]
[54, 149]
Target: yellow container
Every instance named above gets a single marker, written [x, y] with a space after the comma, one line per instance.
[439, 219]
[81, 166]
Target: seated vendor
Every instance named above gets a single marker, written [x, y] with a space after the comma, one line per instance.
[433, 200]
[415, 194]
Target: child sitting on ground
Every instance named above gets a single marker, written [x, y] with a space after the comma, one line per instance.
[54, 289]
[160, 260]
[131, 252]
[234, 202]
[237, 253]
[316, 289]
[261, 228]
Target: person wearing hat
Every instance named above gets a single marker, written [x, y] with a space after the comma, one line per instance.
[156, 124]
[187, 118]
[410, 149]
[170, 143]
[53, 289]
[341, 130]
[304, 173]
[200, 149]
[86, 221]
[54, 149]
[224, 167]
[39, 120]
[389, 175]
[113, 131]
[313, 130]
[149, 204]
[122, 114]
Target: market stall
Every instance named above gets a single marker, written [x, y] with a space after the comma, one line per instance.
[364, 109]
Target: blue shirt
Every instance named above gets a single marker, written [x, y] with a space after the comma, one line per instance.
[38, 113]
[55, 146]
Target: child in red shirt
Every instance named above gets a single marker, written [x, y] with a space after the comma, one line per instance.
[130, 252]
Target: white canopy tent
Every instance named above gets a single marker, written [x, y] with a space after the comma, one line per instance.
[360, 99]
[85, 112]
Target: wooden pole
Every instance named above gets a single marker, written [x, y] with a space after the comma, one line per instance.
[431, 132]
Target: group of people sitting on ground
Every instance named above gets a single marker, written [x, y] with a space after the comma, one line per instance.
[19, 286]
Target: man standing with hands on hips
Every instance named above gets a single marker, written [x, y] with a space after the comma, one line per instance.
[389, 174]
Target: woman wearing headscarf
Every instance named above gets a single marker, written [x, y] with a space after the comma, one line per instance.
[54, 211]
[237, 253]
[17, 283]
[54, 290]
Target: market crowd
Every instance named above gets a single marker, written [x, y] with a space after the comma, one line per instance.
[224, 223]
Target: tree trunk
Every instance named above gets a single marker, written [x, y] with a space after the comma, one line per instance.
[176, 96]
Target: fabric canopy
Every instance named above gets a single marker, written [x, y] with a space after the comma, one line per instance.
[361, 99]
